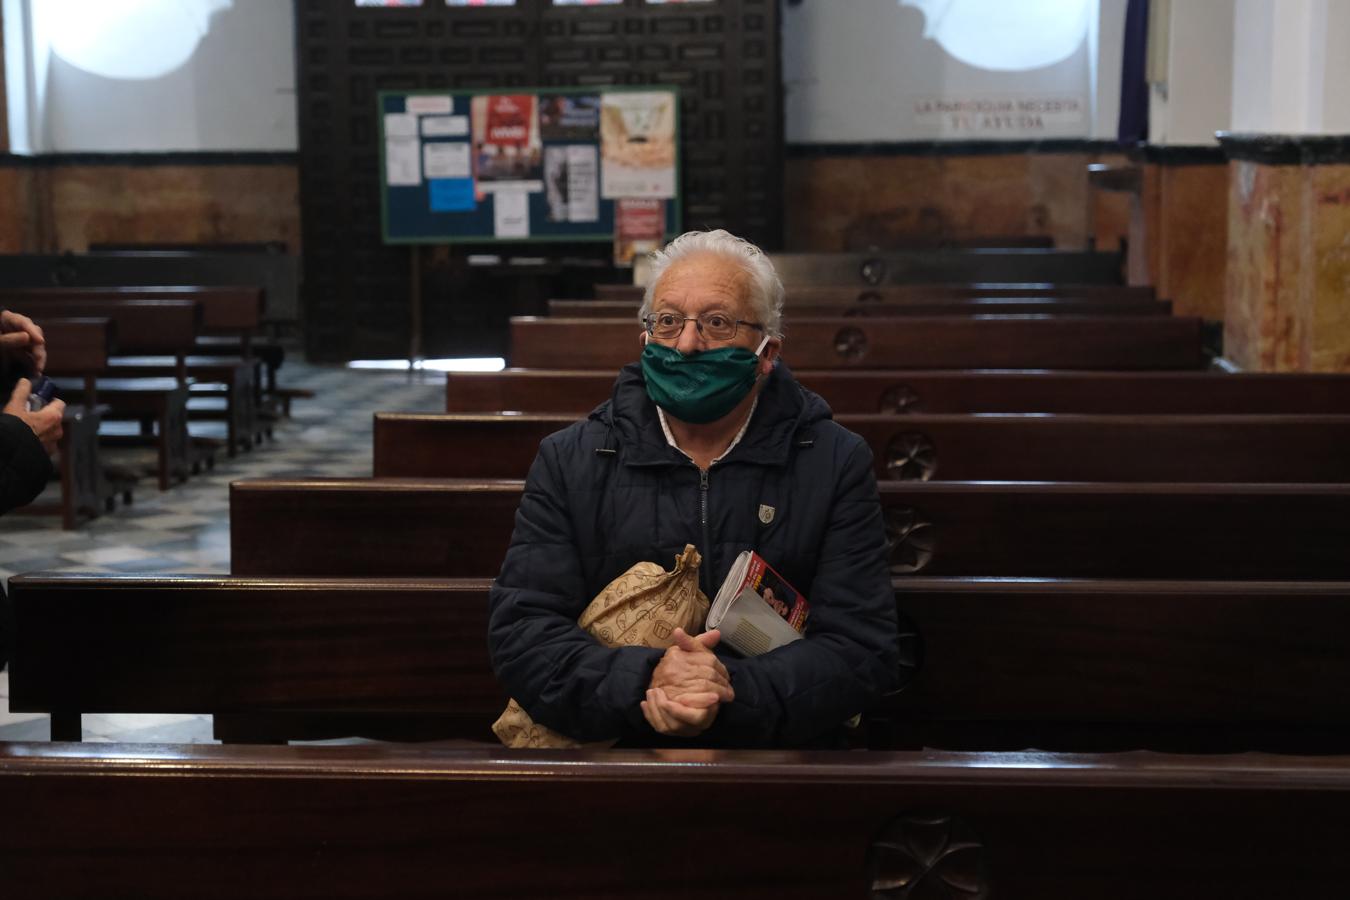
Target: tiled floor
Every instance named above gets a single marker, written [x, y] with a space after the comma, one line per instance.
[187, 530]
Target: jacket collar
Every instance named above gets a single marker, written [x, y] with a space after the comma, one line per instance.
[784, 409]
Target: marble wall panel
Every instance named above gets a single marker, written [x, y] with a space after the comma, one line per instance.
[1262, 322]
[1326, 301]
[23, 209]
[1192, 246]
[174, 204]
[850, 202]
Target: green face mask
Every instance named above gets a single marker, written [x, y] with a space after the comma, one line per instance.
[701, 387]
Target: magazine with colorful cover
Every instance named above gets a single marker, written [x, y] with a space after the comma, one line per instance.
[756, 609]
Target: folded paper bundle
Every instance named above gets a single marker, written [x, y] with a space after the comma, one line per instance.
[640, 608]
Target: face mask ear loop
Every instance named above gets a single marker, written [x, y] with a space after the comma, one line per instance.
[762, 344]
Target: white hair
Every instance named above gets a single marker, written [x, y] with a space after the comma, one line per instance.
[766, 290]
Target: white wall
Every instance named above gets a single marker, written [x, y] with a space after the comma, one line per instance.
[1291, 70]
[236, 92]
[864, 76]
[1196, 100]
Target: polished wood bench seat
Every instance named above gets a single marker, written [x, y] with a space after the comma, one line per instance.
[1002, 447]
[381, 821]
[578, 391]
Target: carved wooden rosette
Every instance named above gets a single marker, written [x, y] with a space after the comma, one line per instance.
[928, 855]
[873, 271]
[910, 539]
[850, 344]
[911, 456]
[899, 398]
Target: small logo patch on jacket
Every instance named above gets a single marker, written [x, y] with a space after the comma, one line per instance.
[765, 513]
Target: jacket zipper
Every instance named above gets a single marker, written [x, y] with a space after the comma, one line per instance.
[705, 571]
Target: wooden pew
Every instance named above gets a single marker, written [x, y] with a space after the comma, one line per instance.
[983, 306]
[989, 663]
[848, 294]
[232, 315]
[161, 326]
[942, 342]
[276, 273]
[201, 644]
[399, 821]
[80, 349]
[358, 527]
[377, 528]
[1220, 448]
[938, 266]
[1191, 393]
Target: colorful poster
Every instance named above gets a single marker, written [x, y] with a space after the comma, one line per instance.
[572, 183]
[507, 154]
[569, 118]
[639, 226]
[637, 144]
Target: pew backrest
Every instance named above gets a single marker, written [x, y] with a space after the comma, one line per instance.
[1034, 662]
[143, 326]
[847, 392]
[225, 309]
[942, 342]
[999, 447]
[847, 294]
[378, 528]
[928, 306]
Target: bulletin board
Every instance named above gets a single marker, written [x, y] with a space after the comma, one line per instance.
[528, 164]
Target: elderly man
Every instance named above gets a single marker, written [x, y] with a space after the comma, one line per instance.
[708, 440]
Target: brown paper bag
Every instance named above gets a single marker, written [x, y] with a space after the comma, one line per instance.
[640, 608]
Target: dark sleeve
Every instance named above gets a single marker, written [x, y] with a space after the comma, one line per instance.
[25, 467]
[850, 655]
[561, 676]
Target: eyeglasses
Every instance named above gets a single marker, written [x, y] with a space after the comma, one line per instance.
[714, 326]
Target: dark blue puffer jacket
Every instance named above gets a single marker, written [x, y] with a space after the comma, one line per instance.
[609, 492]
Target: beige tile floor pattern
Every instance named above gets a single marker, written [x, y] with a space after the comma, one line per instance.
[186, 529]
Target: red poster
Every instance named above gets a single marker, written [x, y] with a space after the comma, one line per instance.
[639, 226]
[509, 117]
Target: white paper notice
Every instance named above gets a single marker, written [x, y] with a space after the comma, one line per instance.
[433, 105]
[400, 125]
[583, 183]
[401, 166]
[511, 214]
[445, 126]
[446, 160]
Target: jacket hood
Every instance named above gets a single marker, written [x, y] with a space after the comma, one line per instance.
[782, 419]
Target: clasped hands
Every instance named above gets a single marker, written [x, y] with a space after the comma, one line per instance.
[688, 686]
